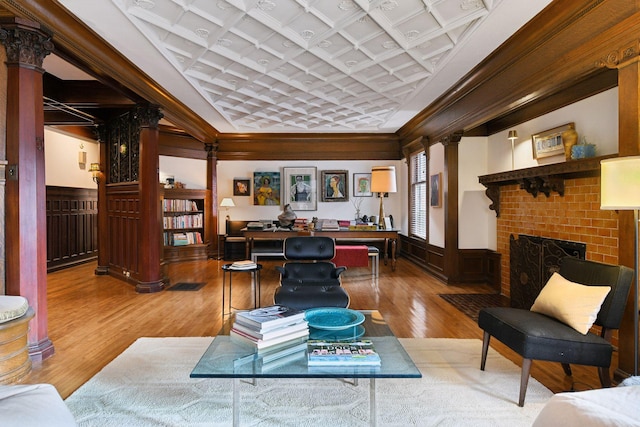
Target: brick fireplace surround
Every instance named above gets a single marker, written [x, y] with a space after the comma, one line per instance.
[576, 216]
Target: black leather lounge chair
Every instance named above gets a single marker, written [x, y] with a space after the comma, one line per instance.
[309, 279]
[536, 336]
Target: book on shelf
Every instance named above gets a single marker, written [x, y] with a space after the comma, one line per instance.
[325, 353]
[273, 333]
[241, 337]
[243, 265]
[268, 318]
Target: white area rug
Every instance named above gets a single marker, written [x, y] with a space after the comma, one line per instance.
[149, 385]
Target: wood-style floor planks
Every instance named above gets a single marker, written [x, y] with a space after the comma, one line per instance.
[93, 318]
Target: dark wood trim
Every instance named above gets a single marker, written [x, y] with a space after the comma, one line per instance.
[315, 146]
[72, 226]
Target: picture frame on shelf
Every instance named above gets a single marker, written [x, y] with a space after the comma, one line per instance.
[266, 188]
[549, 142]
[335, 186]
[362, 185]
[242, 187]
[300, 188]
[435, 190]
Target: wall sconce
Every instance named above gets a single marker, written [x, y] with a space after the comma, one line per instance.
[82, 159]
[227, 203]
[95, 172]
[513, 135]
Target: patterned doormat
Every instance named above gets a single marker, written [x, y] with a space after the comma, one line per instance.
[187, 286]
[471, 304]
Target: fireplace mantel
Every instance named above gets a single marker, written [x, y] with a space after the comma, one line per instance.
[540, 179]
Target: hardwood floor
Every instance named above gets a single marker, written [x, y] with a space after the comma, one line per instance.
[93, 318]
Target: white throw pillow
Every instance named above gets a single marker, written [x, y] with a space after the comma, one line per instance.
[571, 303]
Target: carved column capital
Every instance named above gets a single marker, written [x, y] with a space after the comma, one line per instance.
[211, 149]
[26, 44]
[148, 115]
[451, 139]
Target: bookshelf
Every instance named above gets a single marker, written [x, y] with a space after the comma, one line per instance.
[185, 214]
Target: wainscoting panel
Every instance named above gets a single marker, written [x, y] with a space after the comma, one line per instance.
[72, 227]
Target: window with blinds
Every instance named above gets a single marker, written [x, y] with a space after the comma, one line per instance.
[418, 200]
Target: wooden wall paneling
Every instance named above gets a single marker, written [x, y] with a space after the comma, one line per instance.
[124, 217]
[72, 226]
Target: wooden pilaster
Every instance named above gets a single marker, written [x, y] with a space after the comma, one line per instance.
[26, 232]
[150, 247]
[103, 217]
[450, 204]
[212, 185]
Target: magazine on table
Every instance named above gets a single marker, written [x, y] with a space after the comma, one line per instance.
[325, 353]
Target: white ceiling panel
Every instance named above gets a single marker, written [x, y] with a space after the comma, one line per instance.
[306, 65]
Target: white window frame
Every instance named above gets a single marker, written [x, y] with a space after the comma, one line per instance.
[418, 195]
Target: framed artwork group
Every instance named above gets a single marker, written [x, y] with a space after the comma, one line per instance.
[301, 187]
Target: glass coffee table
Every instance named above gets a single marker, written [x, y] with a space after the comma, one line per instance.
[228, 359]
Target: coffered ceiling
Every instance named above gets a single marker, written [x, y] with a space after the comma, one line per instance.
[305, 65]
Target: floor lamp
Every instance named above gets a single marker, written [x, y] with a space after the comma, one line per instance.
[227, 203]
[620, 190]
[383, 180]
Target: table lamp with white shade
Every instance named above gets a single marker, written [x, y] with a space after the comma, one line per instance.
[383, 180]
[620, 190]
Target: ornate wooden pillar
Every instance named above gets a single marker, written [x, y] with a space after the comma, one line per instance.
[150, 248]
[627, 61]
[26, 230]
[450, 204]
[212, 185]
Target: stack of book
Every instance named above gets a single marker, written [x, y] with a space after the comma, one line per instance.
[359, 353]
[330, 225]
[300, 224]
[243, 265]
[270, 329]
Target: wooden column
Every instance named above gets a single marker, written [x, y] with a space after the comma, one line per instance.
[212, 185]
[150, 247]
[628, 145]
[103, 217]
[450, 204]
[26, 233]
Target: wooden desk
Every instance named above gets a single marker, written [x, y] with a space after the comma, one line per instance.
[389, 237]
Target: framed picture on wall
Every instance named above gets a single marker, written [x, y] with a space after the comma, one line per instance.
[266, 188]
[241, 186]
[300, 188]
[549, 143]
[435, 188]
[334, 186]
[362, 185]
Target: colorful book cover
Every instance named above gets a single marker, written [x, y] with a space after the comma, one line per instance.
[323, 353]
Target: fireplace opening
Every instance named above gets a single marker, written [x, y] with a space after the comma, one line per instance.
[533, 260]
